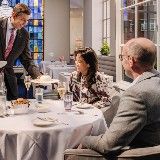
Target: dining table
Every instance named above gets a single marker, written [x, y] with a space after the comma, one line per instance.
[45, 133]
[54, 71]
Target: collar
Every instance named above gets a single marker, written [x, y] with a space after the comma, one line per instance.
[145, 75]
[136, 80]
[10, 26]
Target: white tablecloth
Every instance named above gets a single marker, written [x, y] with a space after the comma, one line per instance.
[64, 76]
[21, 140]
[55, 70]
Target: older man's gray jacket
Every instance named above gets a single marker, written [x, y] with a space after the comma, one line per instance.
[137, 122]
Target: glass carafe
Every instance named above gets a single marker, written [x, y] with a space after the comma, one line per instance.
[2, 95]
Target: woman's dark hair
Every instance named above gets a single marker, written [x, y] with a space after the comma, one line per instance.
[90, 57]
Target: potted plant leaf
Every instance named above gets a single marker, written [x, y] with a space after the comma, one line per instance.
[105, 50]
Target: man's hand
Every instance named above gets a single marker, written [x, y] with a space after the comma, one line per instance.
[81, 146]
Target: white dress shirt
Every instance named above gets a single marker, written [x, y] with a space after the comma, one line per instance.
[8, 32]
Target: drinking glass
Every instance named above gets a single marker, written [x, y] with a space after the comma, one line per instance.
[61, 89]
[39, 95]
[2, 95]
[68, 99]
[27, 82]
[2, 103]
[64, 63]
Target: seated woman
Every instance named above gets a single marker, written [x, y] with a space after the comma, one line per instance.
[87, 84]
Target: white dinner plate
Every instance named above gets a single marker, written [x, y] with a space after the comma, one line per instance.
[84, 106]
[2, 63]
[38, 81]
[43, 123]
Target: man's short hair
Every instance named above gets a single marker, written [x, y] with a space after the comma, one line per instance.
[21, 8]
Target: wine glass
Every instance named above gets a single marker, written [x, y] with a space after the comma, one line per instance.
[27, 82]
[61, 89]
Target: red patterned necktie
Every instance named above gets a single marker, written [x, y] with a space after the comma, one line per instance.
[10, 44]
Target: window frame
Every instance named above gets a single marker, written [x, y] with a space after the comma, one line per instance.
[119, 27]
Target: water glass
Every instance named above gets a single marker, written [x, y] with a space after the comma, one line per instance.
[2, 104]
[68, 99]
[61, 89]
[39, 95]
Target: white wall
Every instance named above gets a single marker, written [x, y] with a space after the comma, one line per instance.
[76, 31]
[76, 28]
[93, 24]
[113, 28]
[57, 28]
[97, 25]
[87, 25]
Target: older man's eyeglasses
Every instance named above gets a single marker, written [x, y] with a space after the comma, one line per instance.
[121, 56]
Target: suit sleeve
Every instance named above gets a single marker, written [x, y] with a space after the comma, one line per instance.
[128, 122]
[27, 60]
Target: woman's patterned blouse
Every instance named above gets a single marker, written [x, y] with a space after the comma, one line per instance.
[98, 94]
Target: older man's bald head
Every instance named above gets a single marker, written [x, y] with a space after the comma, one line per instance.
[143, 50]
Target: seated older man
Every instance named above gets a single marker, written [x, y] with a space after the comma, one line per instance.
[137, 121]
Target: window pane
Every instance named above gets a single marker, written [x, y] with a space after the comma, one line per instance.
[126, 3]
[104, 28]
[128, 21]
[108, 27]
[149, 3]
[105, 10]
[147, 20]
[108, 9]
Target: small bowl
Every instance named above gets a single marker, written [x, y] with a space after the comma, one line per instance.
[20, 102]
[21, 110]
[20, 106]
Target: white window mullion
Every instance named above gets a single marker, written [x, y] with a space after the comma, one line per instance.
[136, 20]
[158, 35]
[136, 4]
[118, 40]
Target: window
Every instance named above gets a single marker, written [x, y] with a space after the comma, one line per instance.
[35, 28]
[137, 18]
[106, 21]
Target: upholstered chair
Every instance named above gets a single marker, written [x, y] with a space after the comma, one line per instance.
[148, 153]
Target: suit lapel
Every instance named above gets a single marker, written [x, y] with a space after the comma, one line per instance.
[17, 40]
[3, 35]
[19, 34]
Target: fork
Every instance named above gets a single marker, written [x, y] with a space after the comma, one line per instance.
[49, 119]
[79, 112]
[46, 119]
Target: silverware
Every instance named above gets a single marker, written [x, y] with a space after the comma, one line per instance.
[79, 112]
[78, 103]
[49, 119]
[46, 119]
[4, 115]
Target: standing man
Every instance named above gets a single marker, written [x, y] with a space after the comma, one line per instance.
[14, 43]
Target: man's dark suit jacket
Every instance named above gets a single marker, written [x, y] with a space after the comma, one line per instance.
[20, 50]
